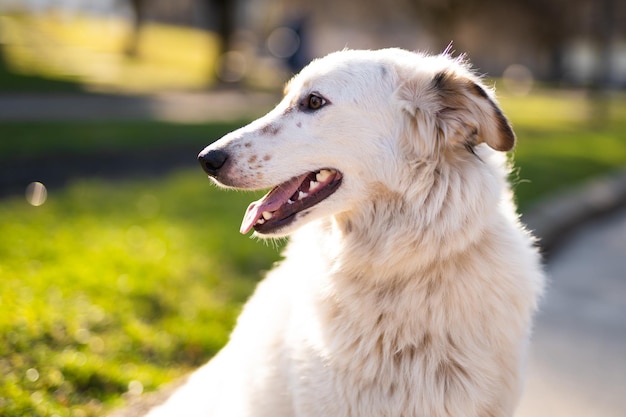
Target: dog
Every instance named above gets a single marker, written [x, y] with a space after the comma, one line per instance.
[408, 285]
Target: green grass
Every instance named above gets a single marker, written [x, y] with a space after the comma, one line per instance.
[106, 284]
[130, 284]
[564, 138]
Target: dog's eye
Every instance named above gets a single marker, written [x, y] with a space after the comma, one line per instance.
[314, 102]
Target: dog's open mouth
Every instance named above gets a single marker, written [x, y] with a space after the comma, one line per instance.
[278, 207]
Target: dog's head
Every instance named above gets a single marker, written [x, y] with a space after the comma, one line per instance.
[348, 123]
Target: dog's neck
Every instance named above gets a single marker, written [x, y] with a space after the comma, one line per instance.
[416, 228]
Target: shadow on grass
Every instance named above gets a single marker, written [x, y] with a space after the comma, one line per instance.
[56, 153]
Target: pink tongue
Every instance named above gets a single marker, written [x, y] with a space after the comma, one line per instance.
[270, 202]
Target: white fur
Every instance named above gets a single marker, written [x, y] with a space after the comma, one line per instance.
[410, 291]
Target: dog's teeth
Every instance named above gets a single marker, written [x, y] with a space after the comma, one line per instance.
[260, 221]
[302, 195]
[323, 175]
[267, 215]
[313, 185]
[290, 201]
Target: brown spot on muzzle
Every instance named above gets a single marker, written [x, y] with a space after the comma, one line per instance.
[270, 130]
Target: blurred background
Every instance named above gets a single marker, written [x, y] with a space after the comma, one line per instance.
[152, 45]
[121, 268]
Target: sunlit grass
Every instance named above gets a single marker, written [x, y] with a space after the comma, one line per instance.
[564, 138]
[553, 109]
[107, 285]
[91, 50]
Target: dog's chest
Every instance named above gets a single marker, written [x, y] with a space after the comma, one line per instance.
[384, 350]
[372, 379]
[381, 363]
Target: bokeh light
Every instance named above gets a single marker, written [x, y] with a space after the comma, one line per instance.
[36, 194]
[232, 67]
[283, 42]
[518, 79]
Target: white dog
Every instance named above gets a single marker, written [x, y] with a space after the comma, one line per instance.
[409, 285]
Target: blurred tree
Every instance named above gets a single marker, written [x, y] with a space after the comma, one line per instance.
[548, 24]
[547, 28]
[222, 13]
[225, 13]
[138, 8]
[606, 30]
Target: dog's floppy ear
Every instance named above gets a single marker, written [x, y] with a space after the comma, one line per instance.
[458, 110]
[469, 114]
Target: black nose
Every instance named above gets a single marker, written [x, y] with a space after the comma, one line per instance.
[212, 161]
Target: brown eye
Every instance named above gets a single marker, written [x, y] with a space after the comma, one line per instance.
[315, 102]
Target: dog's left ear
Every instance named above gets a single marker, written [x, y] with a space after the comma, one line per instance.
[466, 113]
[454, 107]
